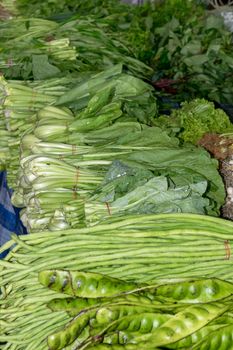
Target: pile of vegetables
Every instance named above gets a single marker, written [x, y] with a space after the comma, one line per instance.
[140, 250]
[34, 48]
[111, 311]
[126, 250]
[99, 154]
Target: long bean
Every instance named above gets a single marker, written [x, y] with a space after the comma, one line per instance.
[142, 248]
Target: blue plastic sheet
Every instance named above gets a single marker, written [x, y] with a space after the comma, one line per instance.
[9, 215]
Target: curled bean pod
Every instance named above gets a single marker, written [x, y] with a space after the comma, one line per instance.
[84, 284]
[77, 343]
[222, 339]
[198, 291]
[186, 322]
[69, 333]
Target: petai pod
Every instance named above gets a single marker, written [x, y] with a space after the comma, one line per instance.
[226, 318]
[221, 339]
[198, 291]
[84, 284]
[98, 317]
[143, 324]
[73, 305]
[130, 316]
[186, 322]
[134, 329]
[195, 337]
[70, 332]
[79, 341]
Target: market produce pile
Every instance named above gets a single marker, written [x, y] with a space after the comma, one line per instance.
[103, 158]
[154, 250]
[126, 248]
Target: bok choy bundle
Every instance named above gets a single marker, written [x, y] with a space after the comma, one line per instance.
[19, 103]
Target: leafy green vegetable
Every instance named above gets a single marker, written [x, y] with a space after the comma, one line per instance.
[185, 161]
[128, 189]
[138, 101]
[42, 69]
[74, 46]
[197, 55]
[82, 7]
[194, 119]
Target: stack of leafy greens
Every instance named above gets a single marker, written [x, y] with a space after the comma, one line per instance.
[194, 51]
[36, 48]
[20, 100]
[133, 189]
[105, 157]
[92, 144]
[110, 103]
[99, 8]
[133, 24]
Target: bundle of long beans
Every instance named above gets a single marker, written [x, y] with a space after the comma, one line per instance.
[142, 249]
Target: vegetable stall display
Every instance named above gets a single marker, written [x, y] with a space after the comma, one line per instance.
[126, 248]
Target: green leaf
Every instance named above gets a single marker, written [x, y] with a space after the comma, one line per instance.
[42, 69]
[192, 48]
[214, 22]
[196, 60]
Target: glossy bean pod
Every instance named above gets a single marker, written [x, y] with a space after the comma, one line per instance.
[186, 322]
[138, 326]
[96, 316]
[73, 304]
[195, 337]
[143, 324]
[198, 291]
[77, 343]
[84, 284]
[134, 316]
[69, 333]
[222, 339]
